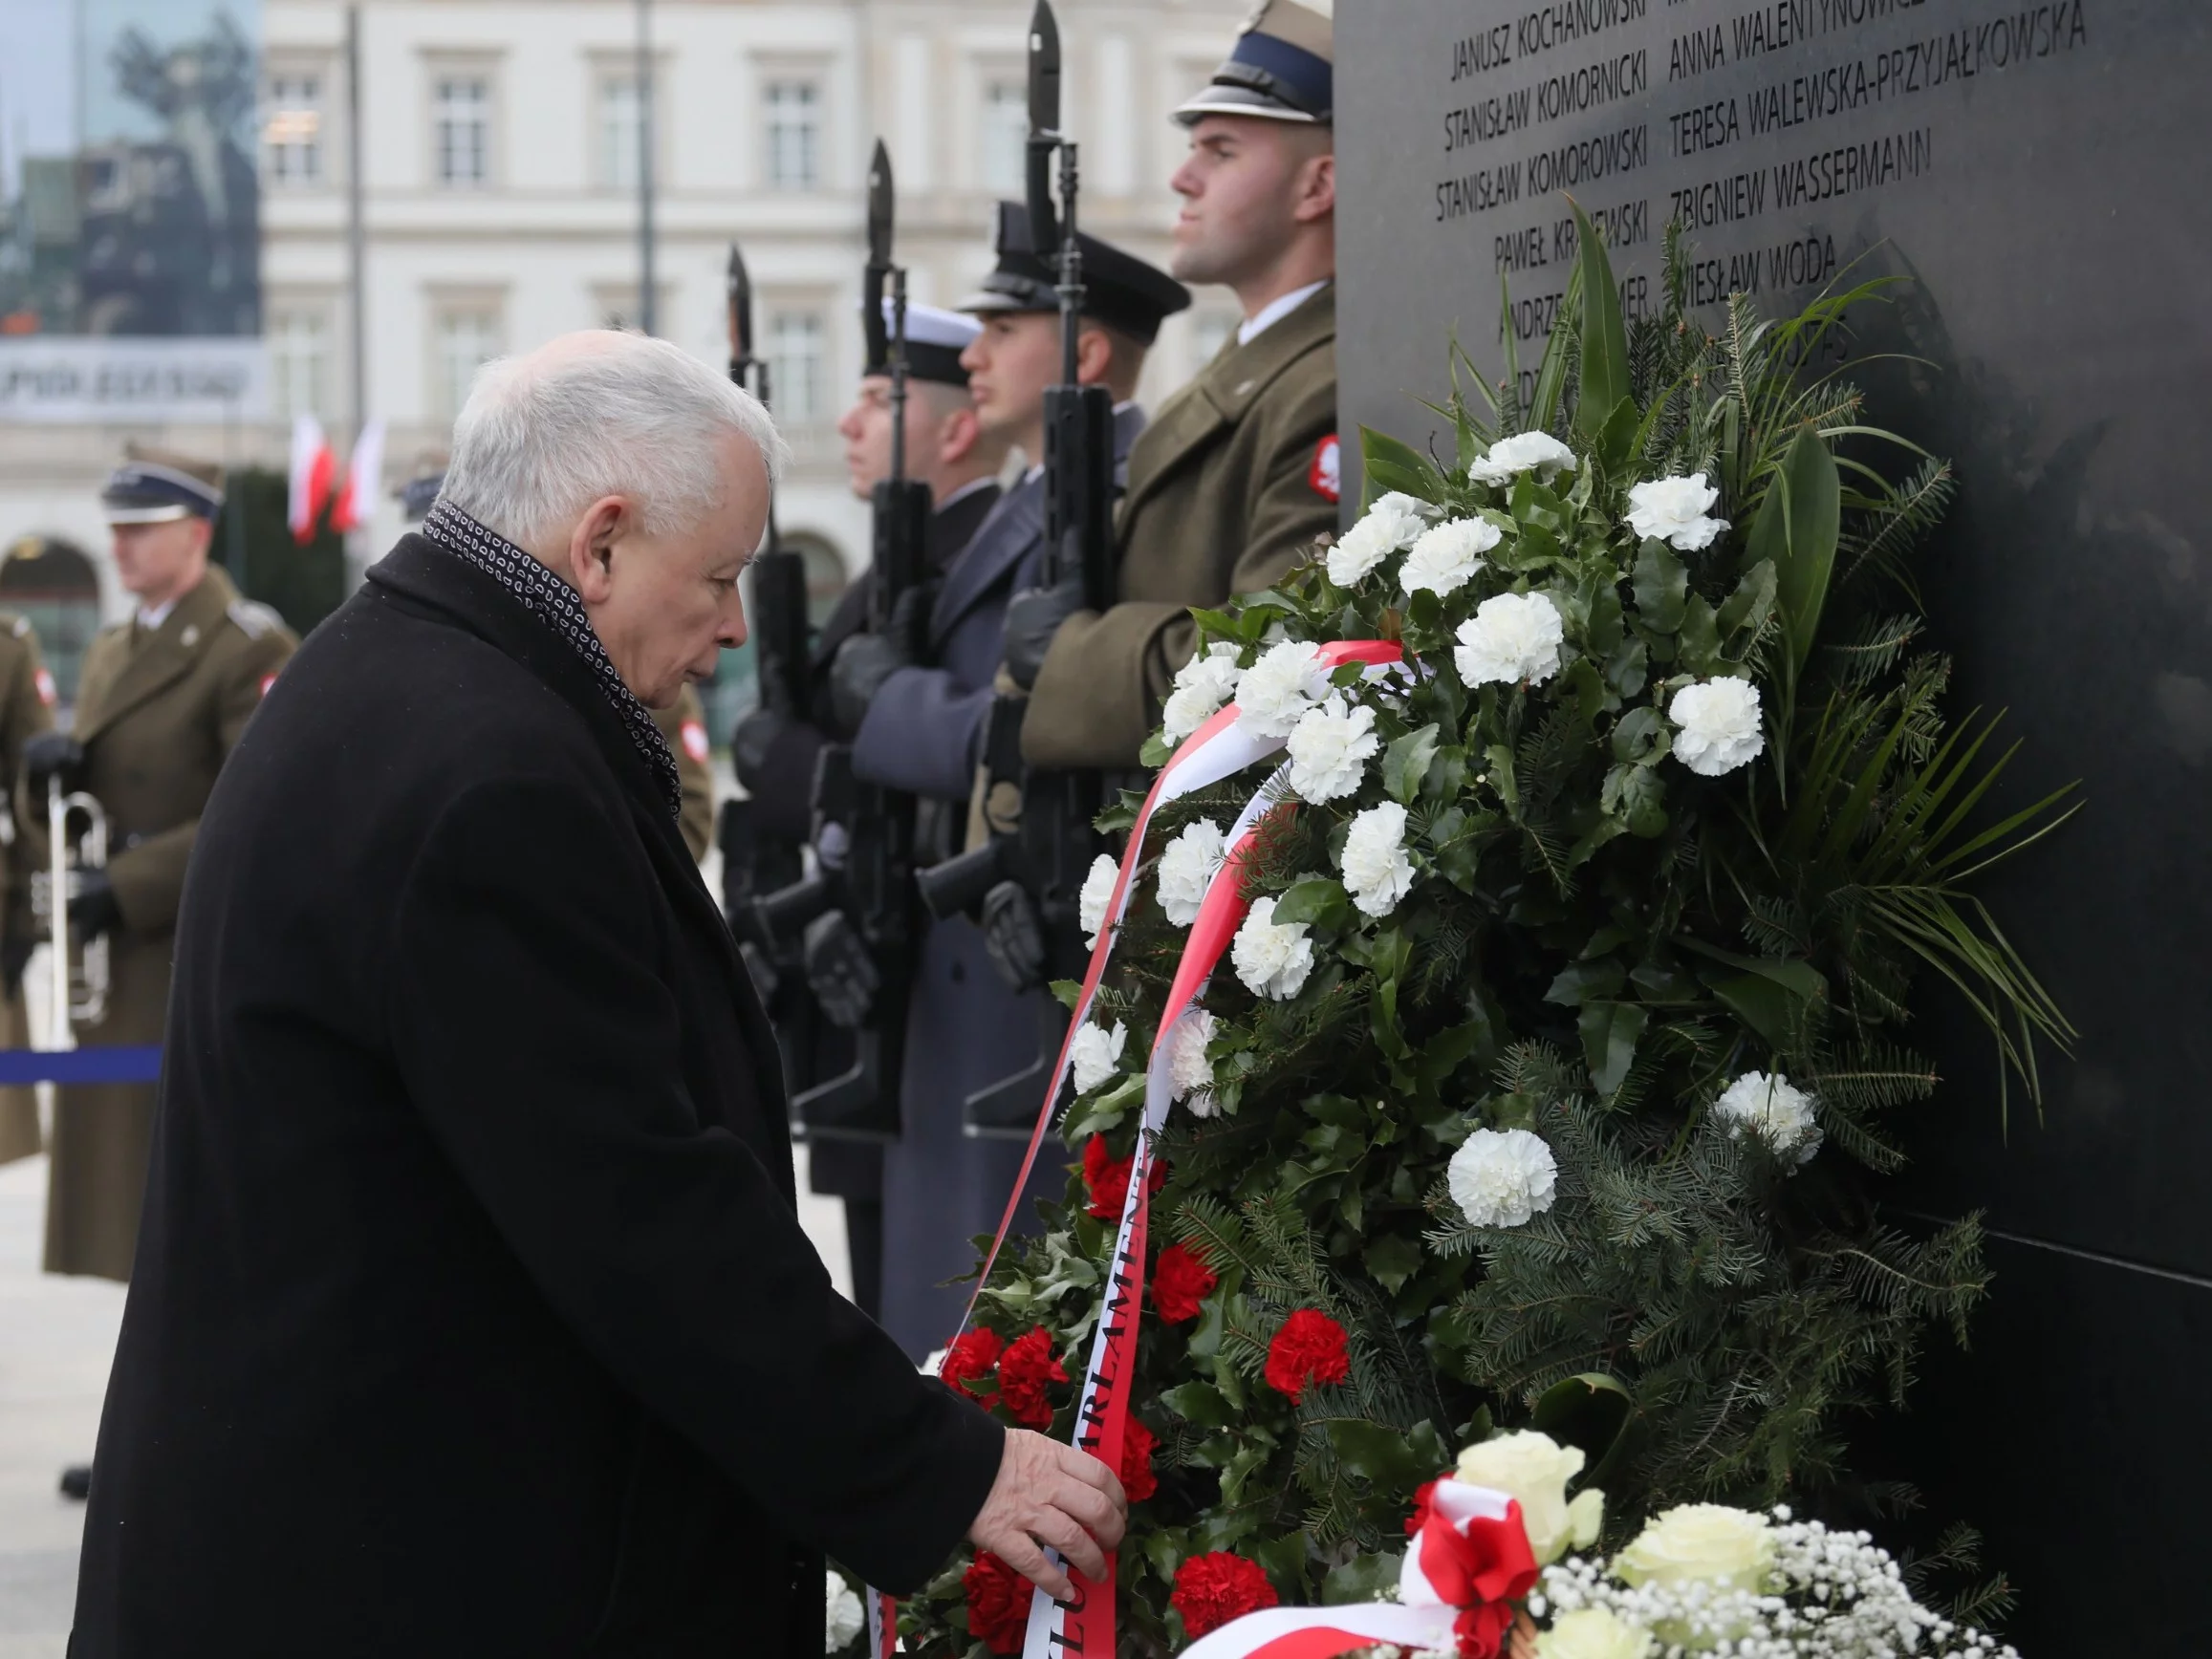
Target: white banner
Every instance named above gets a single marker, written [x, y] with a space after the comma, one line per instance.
[122, 379]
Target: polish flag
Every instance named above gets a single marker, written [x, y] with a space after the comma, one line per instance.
[312, 466]
[363, 473]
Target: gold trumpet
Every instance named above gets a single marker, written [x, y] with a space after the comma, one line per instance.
[78, 988]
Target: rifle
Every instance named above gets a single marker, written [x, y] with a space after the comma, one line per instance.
[1049, 854]
[857, 914]
[753, 861]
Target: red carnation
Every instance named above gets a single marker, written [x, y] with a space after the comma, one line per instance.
[998, 1603]
[1309, 1349]
[1213, 1589]
[1482, 1629]
[1179, 1283]
[1421, 1495]
[971, 1355]
[1027, 1366]
[1108, 1178]
[1136, 1447]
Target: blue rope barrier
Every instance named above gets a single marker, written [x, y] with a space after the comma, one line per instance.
[110, 1064]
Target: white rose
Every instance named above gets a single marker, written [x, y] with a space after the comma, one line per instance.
[1780, 1115]
[1189, 1073]
[1534, 1469]
[1511, 637]
[845, 1617]
[1594, 1633]
[1188, 867]
[1096, 1054]
[1719, 722]
[1674, 510]
[1705, 1543]
[1377, 872]
[1445, 559]
[1392, 522]
[1272, 961]
[1538, 452]
[1202, 685]
[1330, 748]
[1097, 894]
[1501, 1177]
[1278, 689]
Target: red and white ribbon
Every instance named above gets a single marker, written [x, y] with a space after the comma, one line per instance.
[1464, 1568]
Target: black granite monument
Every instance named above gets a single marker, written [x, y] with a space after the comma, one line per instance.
[2036, 168]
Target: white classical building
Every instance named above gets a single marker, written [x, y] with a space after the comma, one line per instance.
[500, 148]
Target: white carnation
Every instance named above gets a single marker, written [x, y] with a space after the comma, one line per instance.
[1330, 748]
[1719, 722]
[1202, 685]
[1097, 894]
[1186, 869]
[1277, 690]
[1501, 1177]
[1779, 1113]
[1392, 522]
[1095, 1055]
[1511, 637]
[1189, 1073]
[1537, 452]
[1674, 510]
[1377, 872]
[1445, 559]
[1272, 961]
[844, 1615]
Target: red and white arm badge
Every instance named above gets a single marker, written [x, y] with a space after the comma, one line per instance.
[1323, 474]
[44, 679]
[694, 737]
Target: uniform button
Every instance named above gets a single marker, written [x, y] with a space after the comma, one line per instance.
[1243, 387]
[190, 636]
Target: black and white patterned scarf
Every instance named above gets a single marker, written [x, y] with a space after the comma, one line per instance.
[555, 604]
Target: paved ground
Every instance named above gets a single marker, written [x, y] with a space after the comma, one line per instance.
[57, 1339]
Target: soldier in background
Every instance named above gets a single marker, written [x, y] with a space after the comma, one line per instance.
[919, 729]
[948, 450]
[683, 723]
[25, 709]
[1234, 479]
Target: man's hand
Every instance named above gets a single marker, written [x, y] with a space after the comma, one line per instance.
[1033, 615]
[751, 743]
[839, 970]
[94, 908]
[48, 755]
[862, 665]
[1049, 1493]
[1012, 937]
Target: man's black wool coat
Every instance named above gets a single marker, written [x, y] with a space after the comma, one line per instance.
[471, 1315]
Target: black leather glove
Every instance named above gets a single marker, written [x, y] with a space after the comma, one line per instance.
[1033, 615]
[14, 956]
[1013, 935]
[93, 908]
[862, 665]
[839, 970]
[752, 742]
[48, 755]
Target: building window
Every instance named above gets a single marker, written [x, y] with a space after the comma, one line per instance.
[1004, 136]
[621, 131]
[462, 106]
[794, 135]
[299, 362]
[291, 134]
[467, 339]
[795, 368]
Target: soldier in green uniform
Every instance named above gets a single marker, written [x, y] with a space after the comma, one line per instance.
[1236, 476]
[25, 709]
[162, 698]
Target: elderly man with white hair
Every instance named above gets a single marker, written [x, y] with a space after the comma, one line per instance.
[472, 1313]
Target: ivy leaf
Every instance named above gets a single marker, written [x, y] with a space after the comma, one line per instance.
[1406, 763]
[1283, 1560]
[1155, 751]
[1637, 733]
[1699, 638]
[1610, 1031]
[1364, 1577]
[1662, 585]
[1582, 982]
[1392, 1259]
[1068, 993]
[1318, 900]
[1376, 1452]
[1590, 1410]
[1199, 1404]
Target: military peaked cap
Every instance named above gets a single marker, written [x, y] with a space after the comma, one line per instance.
[1119, 289]
[1282, 69]
[154, 486]
[935, 339]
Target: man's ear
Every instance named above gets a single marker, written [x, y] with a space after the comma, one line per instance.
[1094, 358]
[590, 568]
[1317, 197]
[957, 432]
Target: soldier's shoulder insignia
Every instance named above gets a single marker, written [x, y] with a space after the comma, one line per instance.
[1326, 468]
[694, 737]
[20, 626]
[253, 619]
[43, 679]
